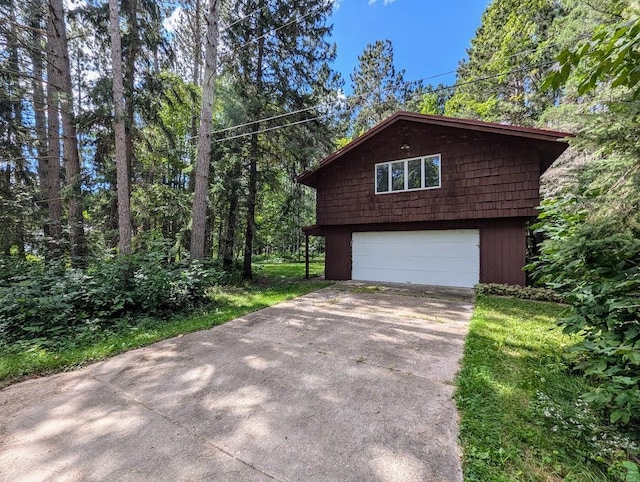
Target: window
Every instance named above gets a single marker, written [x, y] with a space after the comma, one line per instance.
[408, 174]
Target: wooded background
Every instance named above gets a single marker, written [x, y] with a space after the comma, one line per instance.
[102, 119]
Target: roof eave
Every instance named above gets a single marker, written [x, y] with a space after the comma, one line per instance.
[308, 178]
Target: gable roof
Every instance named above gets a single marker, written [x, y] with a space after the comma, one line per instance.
[308, 177]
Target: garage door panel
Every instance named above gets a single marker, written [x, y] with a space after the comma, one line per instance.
[415, 249]
[441, 278]
[406, 237]
[408, 262]
[447, 258]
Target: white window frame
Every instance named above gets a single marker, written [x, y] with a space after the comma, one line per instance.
[406, 174]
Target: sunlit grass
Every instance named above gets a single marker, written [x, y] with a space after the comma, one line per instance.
[275, 283]
[289, 271]
[514, 352]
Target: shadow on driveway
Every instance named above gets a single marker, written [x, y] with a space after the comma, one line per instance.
[334, 385]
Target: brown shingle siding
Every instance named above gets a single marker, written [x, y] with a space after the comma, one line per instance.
[486, 178]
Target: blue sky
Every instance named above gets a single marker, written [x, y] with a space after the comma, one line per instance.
[429, 36]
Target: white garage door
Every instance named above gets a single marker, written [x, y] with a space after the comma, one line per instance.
[445, 258]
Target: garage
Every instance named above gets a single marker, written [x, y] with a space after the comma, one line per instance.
[445, 258]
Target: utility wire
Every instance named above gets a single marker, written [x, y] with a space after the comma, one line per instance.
[235, 22]
[322, 104]
[286, 114]
[440, 89]
[272, 31]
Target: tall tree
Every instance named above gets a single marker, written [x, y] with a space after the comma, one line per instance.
[509, 57]
[278, 58]
[61, 69]
[378, 89]
[54, 199]
[254, 147]
[124, 211]
[203, 163]
[14, 175]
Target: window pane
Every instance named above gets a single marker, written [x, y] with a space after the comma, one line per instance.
[432, 171]
[397, 176]
[382, 178]
[415, 173]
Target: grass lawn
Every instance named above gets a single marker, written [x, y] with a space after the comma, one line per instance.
[521, 417]
[274, 283]
[287, 270]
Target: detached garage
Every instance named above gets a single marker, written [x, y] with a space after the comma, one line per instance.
[431, 200]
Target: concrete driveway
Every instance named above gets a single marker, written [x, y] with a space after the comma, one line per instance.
[340, 384]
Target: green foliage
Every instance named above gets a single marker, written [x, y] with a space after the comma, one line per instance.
[434, 100]
[378, 89]
[596, 261]
[509, 57]
[521, 416]
[227, 302]
[611, 55]
[521, 292]
[43, 305]
[592, 246]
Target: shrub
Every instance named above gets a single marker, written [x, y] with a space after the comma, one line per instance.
[521, 292]
[597, 262]
[42, 304]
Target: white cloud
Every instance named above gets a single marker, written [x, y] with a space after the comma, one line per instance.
[384, 2]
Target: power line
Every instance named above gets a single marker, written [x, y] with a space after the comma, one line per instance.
[439, 89]
[272, 31]
[267, 129]
[299, 111]
[244, 18]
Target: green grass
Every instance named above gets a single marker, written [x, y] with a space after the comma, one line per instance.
[274, 284]
[274, 271]
[521, 418]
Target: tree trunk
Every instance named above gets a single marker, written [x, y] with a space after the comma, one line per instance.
[251, 205]
[129, 83]
[14, 136]
[71, 155]
[54, 200]
[201, 191]
[254, 152]
[124, 211]
[197, 61]
[232, 218]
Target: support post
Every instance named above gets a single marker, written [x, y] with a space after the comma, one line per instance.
[306, 256]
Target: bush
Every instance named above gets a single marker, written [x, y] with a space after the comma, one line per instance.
[596, 261]
[521, 292]
[42, 304]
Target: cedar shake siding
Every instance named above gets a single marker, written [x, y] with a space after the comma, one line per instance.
[482, 176]
[489, 178]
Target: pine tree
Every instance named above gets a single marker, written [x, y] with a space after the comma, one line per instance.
[278, 59]
[378, 90]
[61, 80]
[124, 211]
[201, 192]
[509, 57]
